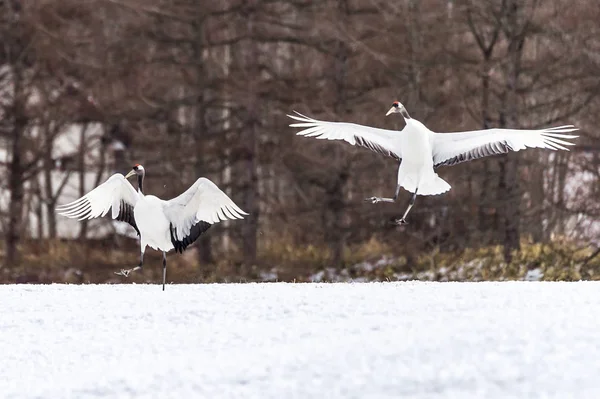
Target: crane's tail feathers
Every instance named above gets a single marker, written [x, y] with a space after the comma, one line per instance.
[430, 185]
[433, 186]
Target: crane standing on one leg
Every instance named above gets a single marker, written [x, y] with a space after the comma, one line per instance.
[162, 225]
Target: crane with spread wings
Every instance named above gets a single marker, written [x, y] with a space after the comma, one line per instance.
[160, 224]
[420, 151]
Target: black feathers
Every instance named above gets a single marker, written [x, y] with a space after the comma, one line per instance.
[195, 232]
[375, 147]
[126, 215]
[499, 147]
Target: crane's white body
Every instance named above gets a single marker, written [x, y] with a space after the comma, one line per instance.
[420, 150]
[415, 173]
[154, 231]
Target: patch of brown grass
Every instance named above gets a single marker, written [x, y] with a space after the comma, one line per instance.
[95, 261]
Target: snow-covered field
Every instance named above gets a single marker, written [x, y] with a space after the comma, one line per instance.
[379, 340]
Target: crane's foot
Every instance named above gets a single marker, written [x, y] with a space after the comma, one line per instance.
[400, 222]
[127, 272]
[374, 200]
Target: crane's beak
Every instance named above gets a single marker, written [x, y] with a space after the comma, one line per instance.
[391, 111]
[131, 173]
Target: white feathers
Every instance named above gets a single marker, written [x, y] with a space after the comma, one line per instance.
[379, 140]
[463, 146]
[203, 201]
[112, 193]
[452, 148]
[421, 150]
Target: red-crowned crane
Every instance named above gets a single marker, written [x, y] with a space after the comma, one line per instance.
[420, 150]
[162, 225]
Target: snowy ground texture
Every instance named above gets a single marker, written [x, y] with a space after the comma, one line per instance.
[376, 340]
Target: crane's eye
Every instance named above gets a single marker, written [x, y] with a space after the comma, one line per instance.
[395, 105]
[135, 167]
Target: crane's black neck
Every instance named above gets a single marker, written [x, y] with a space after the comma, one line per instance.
[141, 182]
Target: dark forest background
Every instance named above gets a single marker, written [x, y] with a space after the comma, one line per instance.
[194, 88]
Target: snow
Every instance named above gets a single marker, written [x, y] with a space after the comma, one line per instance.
[277, 340]
[534, 275]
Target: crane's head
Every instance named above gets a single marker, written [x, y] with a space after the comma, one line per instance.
[137, 170]
[398, 108]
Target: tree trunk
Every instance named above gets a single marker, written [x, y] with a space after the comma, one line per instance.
[12, 54]
[512, 202]
[50, 196]
[335, 235]
[538, 198]
[37, 199]
[250, 144]
[512, 195]
[82, 170]
[561, 180]
[485, 221]
[225, 163]
[17, 191]
[486, 42]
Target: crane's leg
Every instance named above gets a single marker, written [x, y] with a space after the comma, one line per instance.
[126, 272]
[410, 205]
[375, 200]
[164, 268]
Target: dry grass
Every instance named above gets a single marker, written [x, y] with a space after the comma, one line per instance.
[96, 262]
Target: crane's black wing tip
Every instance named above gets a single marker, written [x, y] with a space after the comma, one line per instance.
[195, 232]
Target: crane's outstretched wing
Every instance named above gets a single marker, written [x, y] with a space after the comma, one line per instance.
[379, 140]
[453, 148]
[194, 211]
[116, 193]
